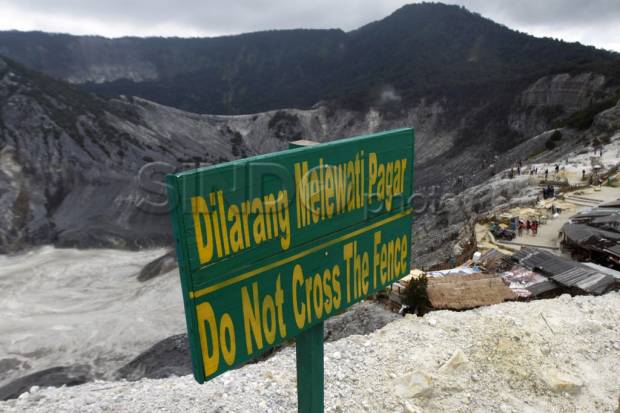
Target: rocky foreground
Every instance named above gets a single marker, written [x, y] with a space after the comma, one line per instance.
[560, 355]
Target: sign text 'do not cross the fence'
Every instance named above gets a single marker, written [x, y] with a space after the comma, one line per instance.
[270, 246]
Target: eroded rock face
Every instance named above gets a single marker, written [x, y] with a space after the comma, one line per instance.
[100, 61]
[608, 121]
[443, 225]
[555, 97]
[78, 170]
[570, 92]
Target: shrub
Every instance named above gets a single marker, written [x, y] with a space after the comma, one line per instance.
[556, 136]
[416, 295]
[549, 144]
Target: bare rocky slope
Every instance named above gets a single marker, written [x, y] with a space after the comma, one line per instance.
[80, 170]
[444, 223]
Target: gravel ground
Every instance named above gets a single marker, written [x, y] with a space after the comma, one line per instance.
[560, 355]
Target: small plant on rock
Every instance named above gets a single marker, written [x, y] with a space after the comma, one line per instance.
[416, 295]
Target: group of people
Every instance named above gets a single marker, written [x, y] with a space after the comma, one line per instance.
[548, 192]
[533, 170]
[528, 225]
[557, 171]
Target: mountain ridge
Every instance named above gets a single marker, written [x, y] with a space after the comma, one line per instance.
[420, 50]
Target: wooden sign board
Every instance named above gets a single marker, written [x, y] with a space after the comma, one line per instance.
[270, 246]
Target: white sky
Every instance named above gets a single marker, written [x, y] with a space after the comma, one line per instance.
[592, 22]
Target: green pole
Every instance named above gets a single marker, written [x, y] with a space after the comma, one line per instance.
[309, 351]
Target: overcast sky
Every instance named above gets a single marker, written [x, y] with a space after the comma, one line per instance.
[593, 22]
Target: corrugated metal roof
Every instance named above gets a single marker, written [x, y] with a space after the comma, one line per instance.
[542, 287]
[585, 279]
[526, 283]
[611, 220]
[614, 250]
[582, 234]
[495, 261]
[604, 270]
[544, 261]
[610, 204]
[565, 271]
[491, 254]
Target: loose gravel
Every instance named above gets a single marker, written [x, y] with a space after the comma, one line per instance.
[559, 355]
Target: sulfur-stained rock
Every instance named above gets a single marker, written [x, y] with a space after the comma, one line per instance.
[416, 384]
[454, 362]
[559, 381]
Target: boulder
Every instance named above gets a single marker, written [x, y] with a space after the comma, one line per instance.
[416, 384]
[454, 362]
[159, 266]
[561, 382]
[360, 319]
[52, 377]
[169, 357]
